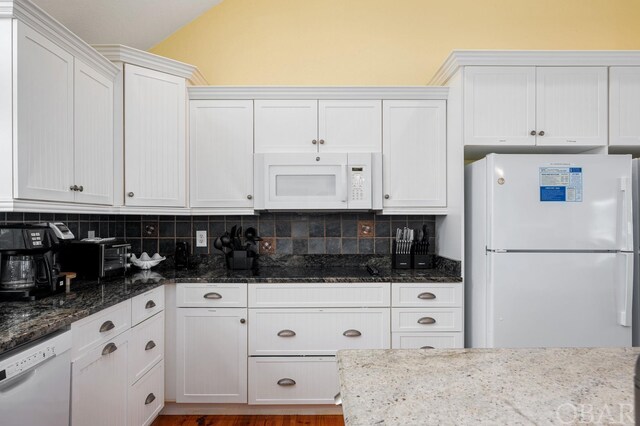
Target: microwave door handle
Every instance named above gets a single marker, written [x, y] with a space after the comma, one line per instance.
[345, 186]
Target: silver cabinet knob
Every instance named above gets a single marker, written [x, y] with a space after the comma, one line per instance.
[81, 188]
[541, 133]
[130, 194]
[321, 141]
[242, 320]
[533, 133]
[249, 197]
[73, 188]
[387, 196]
[314, 141]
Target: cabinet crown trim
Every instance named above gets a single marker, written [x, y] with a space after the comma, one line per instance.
[38, 19]
[461, 58]
[314, 92]
[130, 55]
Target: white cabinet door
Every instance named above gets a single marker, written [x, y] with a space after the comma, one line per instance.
[221, 149]
[44, 118]
[350, 126]
[212, 355]
[499, 105]
[624, 98]
[154, 138]
[99, 385]
[571, 106]
[93, 135]
[286, 126]
[414, 153]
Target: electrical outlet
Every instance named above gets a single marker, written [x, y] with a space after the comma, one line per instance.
[201, 238]
[91, 234]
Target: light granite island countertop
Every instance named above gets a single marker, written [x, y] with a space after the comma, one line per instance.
[487, 386]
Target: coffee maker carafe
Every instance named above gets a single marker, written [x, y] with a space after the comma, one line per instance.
[28, 268]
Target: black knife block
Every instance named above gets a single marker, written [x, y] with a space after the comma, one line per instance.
[400, 260]
[421, 261]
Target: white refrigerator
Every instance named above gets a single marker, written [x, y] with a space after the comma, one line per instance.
[549, 251]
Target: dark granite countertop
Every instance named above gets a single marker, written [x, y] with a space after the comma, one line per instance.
[23, 322]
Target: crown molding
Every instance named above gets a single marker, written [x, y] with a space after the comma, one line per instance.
[27, 12]
[130, 55]
[320, 92]
[461, 58]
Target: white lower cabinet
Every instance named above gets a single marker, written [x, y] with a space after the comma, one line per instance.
[211, 355]
[117, 371]
[99, 384]
[292, 380]
[146, 397]
[427, 315]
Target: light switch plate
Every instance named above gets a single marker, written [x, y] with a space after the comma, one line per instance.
[201, 238]
[91, 234]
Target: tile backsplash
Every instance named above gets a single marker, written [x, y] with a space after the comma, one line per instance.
[283, 233]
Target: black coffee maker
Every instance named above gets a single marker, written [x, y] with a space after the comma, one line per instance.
[28, 267]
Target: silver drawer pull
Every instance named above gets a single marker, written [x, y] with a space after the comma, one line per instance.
[286, 382]
[427, 347]
[286, 333]
[213, 295]
[150, 398]
[352, 333]
[106, 326]
[109, 349]
[150, 345]
[426, 296]
[426, 320]
[150, 304]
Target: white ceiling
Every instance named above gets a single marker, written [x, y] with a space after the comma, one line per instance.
[136, 23]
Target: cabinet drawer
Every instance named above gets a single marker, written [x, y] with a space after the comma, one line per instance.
[146, 305]
[417, 319]
[410, 295]
[317, 331]
[146, 397]
[314, 295]
[293, 380]
[100, 327]
[146, 347]
[426, 340]
[232, 295]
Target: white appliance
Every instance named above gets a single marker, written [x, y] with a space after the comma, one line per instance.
[635, 185]
[35, 383]
[318, 181]
[549, 259]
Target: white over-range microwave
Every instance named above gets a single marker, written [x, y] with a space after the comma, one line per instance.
[318, 181]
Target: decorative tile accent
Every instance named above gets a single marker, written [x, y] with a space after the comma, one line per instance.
[268, 245]
[366, 229]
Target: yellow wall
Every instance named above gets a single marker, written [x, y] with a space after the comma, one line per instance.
[384, 42]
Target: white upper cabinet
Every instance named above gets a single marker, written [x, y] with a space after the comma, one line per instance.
[349, 126]
[571, 106]
[221, 152]
[44, 118]
[286, 126]
[624, 95]
[154, 138]
[295, 126]
[544, 106]
[93, 136]
[500, 105]
[414, 154]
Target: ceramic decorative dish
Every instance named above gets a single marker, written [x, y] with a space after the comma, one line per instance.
[146, 262]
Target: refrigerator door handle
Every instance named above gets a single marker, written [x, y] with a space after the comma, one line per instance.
[625, 226]
[626, 298]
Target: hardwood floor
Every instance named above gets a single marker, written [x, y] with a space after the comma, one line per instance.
[295, 420]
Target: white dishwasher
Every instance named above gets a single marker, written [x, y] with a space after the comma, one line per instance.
[35, 383]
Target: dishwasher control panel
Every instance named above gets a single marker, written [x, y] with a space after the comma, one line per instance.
[26, 362]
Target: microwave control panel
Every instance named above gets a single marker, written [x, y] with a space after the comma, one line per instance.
[358, 184]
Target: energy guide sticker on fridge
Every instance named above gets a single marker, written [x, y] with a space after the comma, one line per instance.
[561, 184]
